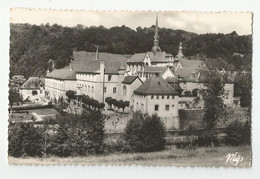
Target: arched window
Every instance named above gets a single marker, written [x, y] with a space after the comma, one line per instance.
[124, 90]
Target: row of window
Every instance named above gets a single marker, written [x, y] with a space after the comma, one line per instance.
[162, 96]
[156, 107]
[114, 90]
[54, 85]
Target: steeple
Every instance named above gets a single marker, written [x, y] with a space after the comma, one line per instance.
[156, 47]
[97, 55]
[180, 54]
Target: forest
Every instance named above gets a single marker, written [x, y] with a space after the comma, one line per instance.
[32, 46]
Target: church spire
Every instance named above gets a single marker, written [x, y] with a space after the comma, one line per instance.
[180, 53]
[156, 47]
[97, 55]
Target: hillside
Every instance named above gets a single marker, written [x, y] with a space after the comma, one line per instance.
[32, 46]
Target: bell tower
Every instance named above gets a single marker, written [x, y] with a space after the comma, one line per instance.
[156, 47]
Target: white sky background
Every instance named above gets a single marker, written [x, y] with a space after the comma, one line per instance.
[198, 22]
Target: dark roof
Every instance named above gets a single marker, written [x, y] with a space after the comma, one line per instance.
[129, 79]
[155, 69]
[171, 79]
[32, 83]
[158, 57]
[155, 86]
[183, 72]
[86, 62]
[63, 74]
[197, 64]
[192, 77]
[138, 57]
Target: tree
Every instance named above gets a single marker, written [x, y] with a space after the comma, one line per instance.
[16, 81]
[25, 140]
[14, 97]
[101, 106]
[144, 133]
[71, 95]
[213, 102]
[108, 100]
[79, 135]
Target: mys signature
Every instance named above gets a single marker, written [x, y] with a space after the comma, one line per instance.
[234, 158]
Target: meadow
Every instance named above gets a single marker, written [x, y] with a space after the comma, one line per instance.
[202, 156]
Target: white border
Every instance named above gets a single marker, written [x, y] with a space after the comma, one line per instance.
[40, 172]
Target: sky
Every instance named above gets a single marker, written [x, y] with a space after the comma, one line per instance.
[198, 22]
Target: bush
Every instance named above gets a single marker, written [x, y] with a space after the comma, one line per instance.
[78, 135]
[238, 133]
[25, 140]
[145, 133]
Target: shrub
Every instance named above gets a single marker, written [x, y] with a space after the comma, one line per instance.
[78, 135]
[238, 133]
[25, 140]
[145, 133]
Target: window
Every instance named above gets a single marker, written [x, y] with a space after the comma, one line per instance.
[152, 97]
[168, 97]
[124, 90]
[157, 96]
[137, 106]
[105, 89]
[156, 107]
[167, 107]
[109, 77]
[162, 96]
[114, 90]
[173, 105]
[172, 96]
[92, 89]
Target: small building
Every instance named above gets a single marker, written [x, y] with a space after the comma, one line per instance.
[33, 89]
[155, 95]
[130, 83]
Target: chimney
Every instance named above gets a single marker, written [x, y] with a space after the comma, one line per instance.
[71, 65]
[97, 55]
[102, 77]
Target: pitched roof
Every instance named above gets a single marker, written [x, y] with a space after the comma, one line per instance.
[63, 74]
[32, 83]
[182, 72]
[129, 79]
[86, 62]
[155, 69]
[159, 57]
[192, 77]
[197, 64]
[155, 86]
[137, 57]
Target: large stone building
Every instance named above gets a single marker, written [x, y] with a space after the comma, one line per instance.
[59, 81]
[155, 95]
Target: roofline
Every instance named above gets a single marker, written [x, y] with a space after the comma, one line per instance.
[133, 80]
[149, 93]
[60, 78]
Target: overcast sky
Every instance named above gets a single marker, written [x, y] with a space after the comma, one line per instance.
[197, 22]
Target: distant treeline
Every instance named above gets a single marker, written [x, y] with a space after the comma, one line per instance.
[32, 46]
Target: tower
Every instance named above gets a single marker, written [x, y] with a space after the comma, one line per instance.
[180, 54]
[156, 47]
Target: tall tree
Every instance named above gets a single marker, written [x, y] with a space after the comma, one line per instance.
[213, 102]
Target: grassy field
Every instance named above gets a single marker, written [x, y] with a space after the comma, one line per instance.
[172, 157]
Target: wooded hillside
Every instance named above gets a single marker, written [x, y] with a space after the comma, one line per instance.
[32, 46]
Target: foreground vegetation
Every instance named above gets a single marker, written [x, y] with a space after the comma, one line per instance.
[204, 156]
